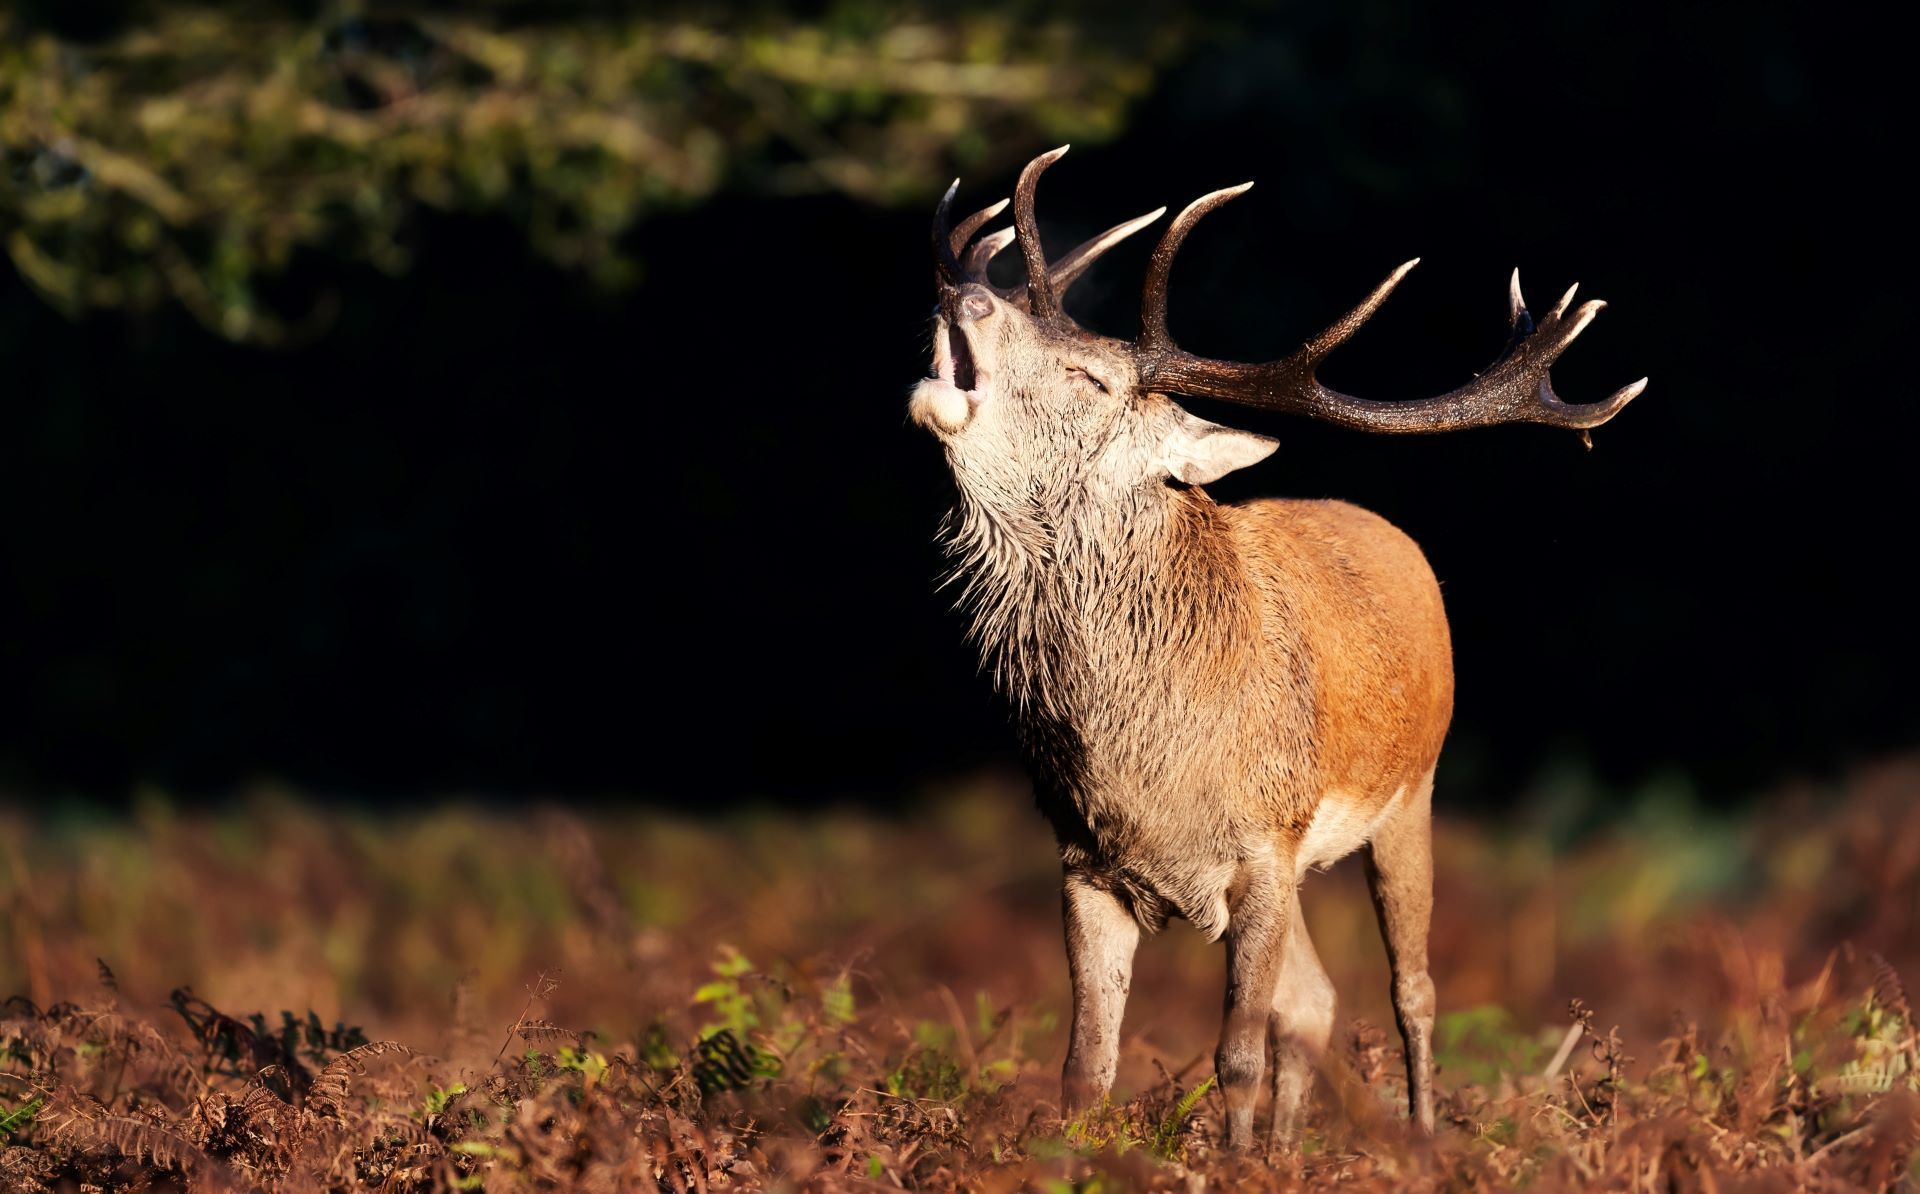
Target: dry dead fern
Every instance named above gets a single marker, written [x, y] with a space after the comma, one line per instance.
[832, 1070]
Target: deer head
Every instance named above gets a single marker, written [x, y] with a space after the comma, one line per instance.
[1028, 401]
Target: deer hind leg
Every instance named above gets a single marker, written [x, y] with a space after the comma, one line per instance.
[1400, 872]
[1299, 1028]
[1101, 936]
[1256, 950]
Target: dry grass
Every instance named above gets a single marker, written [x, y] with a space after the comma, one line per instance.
[516, 999]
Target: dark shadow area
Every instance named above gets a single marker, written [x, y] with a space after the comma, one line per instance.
[498, 531]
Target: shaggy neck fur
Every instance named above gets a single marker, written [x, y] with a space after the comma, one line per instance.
[1077, 595]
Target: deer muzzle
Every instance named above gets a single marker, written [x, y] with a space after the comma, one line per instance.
[945, 402]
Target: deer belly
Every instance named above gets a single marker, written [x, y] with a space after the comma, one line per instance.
[1160, 879]
[1341, 825]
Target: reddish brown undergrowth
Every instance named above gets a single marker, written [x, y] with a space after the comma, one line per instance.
[1636, 995]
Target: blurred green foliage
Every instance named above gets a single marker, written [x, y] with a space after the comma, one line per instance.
[191, 154]
[1483, 1042]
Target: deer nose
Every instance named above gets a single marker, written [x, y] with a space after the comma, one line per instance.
[975, 303]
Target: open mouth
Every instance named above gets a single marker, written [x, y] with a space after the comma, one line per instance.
[945, 401]
[960, 357]
[953, 356]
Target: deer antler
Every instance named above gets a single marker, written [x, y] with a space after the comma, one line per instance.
[1042, 302]
[957, 264]
[1515, 389]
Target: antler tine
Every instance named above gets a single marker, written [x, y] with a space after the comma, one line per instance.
[1066, 271]
[1153, 295]
[972, 224]
[1041, 301]
[1519, 323]
[1560, 308]
[946, 262]
[1342, 329]
[984, 251]
[1518, 387]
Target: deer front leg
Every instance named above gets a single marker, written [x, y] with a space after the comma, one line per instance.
[1101, 936]
[1256, 947]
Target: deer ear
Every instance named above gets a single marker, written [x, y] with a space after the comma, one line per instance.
[1199, 453]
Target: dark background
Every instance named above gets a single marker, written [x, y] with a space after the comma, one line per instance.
[498, 532]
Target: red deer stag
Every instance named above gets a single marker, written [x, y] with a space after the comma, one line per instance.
[1212, 699]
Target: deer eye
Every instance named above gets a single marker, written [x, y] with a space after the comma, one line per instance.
[1097, 383]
